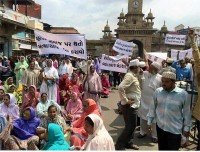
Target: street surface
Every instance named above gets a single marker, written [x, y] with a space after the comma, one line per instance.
[114, 123]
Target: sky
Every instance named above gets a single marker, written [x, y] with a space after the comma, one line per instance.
[89, 17]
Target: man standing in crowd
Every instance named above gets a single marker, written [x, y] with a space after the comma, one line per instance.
[31, 75]
[151, 83]
[169, 68]
[171, 110]
[130, 94]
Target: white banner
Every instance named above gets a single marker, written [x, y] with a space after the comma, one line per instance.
[123, 47]
[68, 44]
[108, 63]
[157, 56]
[175, 39]
[180, 54]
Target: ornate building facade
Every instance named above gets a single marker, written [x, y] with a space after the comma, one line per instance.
[136, 27]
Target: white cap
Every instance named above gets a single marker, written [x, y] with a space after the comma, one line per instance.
[156, 65]
[169, 75]
[169, 60]
[134, 63]
[142, 64]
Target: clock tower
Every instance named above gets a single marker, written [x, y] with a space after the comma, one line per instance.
[135, 27]
[135, 6]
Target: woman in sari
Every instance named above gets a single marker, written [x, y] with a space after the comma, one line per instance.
[74, 108]
[20, 67]
[2, 126]
[43, 105]
[2, 93]
[56, 139]
[75, 87]
[31, 98]
[79, 135]
[9, 107]
[49, 77]
[12, 90]
[8, 82]
[23, 134]
[105, 85]
[98, 137]
[92, 86]
[63, 86]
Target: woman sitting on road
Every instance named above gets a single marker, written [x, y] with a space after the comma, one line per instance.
[98, 136]
[74, 108]
[106, 86]
[31, 98]
[43, 105]
[55, 138]
[23, 135]
[53, 117]
[9, 107]
[8, 82]
[79, 135]
[2, 126]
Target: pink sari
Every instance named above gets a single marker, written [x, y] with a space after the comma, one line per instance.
[78, 125]
[74, 108]
[28, 97]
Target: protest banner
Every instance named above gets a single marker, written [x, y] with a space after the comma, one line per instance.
[175, 39]
[68, 44]
[180, 54]
[123, 47]
[111, 63]
[157, 56]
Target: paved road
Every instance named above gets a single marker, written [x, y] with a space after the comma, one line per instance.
[115, 124]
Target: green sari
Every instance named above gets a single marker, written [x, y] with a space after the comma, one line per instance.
[19, 73]
[56, 140]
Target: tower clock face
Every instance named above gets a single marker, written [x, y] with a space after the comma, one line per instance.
[135, 4]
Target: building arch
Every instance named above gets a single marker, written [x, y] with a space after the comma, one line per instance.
[140, 47]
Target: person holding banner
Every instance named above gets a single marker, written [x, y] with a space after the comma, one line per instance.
[49, 76]
[130, 94]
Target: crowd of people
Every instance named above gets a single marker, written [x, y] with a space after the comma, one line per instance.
[53, 103]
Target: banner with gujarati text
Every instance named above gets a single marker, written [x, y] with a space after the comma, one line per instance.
[123, 47]
[68, 44]
[111, 63]
[175, 39]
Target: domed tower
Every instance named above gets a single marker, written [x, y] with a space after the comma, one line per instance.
[136, 28]
[121, 20]
[164, 29]
[107, 31]
[150, 17]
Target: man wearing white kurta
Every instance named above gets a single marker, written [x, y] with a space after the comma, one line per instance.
[150, 84]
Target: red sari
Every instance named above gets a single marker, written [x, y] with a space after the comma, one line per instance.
[30, 100]
[63, 87]
[106, 85]
[78, 125]
[74, 86]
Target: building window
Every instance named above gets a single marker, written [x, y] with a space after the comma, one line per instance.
[134, 21]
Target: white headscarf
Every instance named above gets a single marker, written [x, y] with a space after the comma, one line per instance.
[100, 139]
